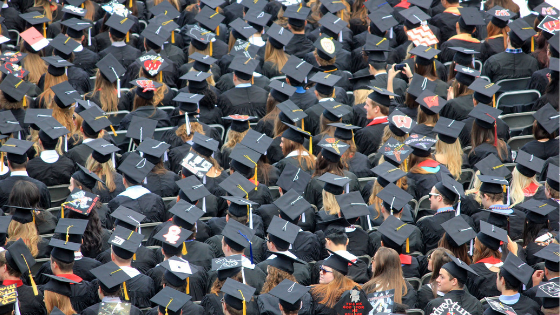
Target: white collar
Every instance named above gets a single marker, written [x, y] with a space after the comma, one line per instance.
[86, 140]
[326, 99]
[380, 74]
[135, 192]
[79, 48]
[288, 253]
[296, 153]
[256, 40]
[19, 173]
[130, 271]
[111, 299]
[346, 254]
[119, 44]
[243, 85]
[246, 263]
[49, 156]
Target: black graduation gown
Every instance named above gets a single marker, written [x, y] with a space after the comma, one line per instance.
[314, 191]
[197, 281]
[273, 175]
[12, 20]
[274, 152]
[461, 40]
[259, 248]
[149, 204]
[94, 310]
[415, 242]
[532, 292]
[82, 268]
[484, 284]
[446, 21]
[359, 272]
[86, 60]
[516, 222]
[213, 306]
[30, 304]
[342, 63]
[466, 301]
[399, 85]
[145, 259]
[171, 138]
[51, 174]
[8, 183]
[244, 101]
[458, 108]
[163, 185]
[491, 46]
[312, 121]
[280, 165]
[484, 150]
[126, 55]
[189, 308]
[267, 212]
[146, 112]
[465, 135]
[79, 154]
[368, 139]
[304, 100]
[421, 184]
[505, 65]
[169, 73]
[253, 277]
[539, 80]
[525, 305]
[424, 296]
[299, 46]
[542, 150]
[104, 194]
[307, 246]
[301, 271]
[79, 79]
[270, 69]
[424, 130]
[217, 225]
[431, 227]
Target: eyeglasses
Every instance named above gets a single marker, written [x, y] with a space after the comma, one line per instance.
[324, 271]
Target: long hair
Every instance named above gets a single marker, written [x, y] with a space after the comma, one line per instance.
[439, 257]
[360, 96]
[481, 251]
[25, 194]
[413, 161]
[90, 13]
[349, 154]
[531, 231]
[481, 135]
[426, 71]
[140, 102]
[494, 31]
[159, 94]
[359, 11]
[552, 89]
[460, 89]
[330, 204]
[274, 277]
[205, 51]
[329, 293]
[132, 6]
[541, 46]
[65, 116]
[159, 168]
[33, 63]
[272, 110]
[47, 96]
[425, 119]
[279, 126]
[451, 156]
[5, 104]
[476, 187]
[106, 91]
[53, 299]
[217, 285]
[263, 171]
[387, 274]
[209, 80]
[518, 183]
[105, 171]
[27, 232]
[289, 146]
[410, 101]
[92, 235]
[325, 129]
[234, 137]
[47, 11]
[276, 56]
[182, 131]
[461, 252]
[323, 166]
[375, 201]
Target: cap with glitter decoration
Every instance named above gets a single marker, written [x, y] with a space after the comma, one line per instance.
[239, 123]
[227, 267]
[153, 150]
[500, 16]
[127, 218]
[244, 67]
[185, 214]
[111, 68]
[394, 232]
[16, 150]
[202, 62]
[152, 63]
[458, 230]
[550, 25]
[421, 145]
[334, 184]
[192, 188]
[119, 25]
[64, 94]
[395, 152]
[196, 80]
[387, 173]
[400, 124]
[537, 211]
[33, 39]
[420, 84]
[75, 27]
[173, 235]
[430, 103]
[327, 48]
[520, 31]
[237, 235]
[14, 69]
[466, 75]
[424, 55]
[141, 128]
[333, 24]
[344, 131]
[485, 116]
[491, 235]
[550, 294]
[339, 261]
[297, 14]
[381, 96]
[146, 88]
[110, 276]
[125, 242]
[209, 18]
[551, 176]
[295, 134]
[256, 17]
[237, 185]
[547, 117]
[59, 285]
[332, 149]
[458, 269]
[165, 8]
[394, 198]
[289, 294]
[237, 294]
[241, 30]
[528, 164]
[170, 301]
[244, 160]
[64, 45]
[333, 110]
[516, 271]
[492, 184]
[296, 69]
[281, 91]
[492, 166]
[292, 112]
[14, 88]
[278, 36]
[550, 256]
[413, 16]
[352, 205]
[470, 18]
[448, 130]
[95, 120]
[292, 204]
[281, 232]
[204, 145]
[295, 178]
[135, 168]
[382, 20]
[9, 299]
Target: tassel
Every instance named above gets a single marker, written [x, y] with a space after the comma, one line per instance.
[125, 291]
[353, 137]
[184, 252]
[172, 37]
[251, 218]
[532, 43]
[435, 67]
[35, 292]
[130, 3]
[458, 207]
[45, 36]
[252, 80]
[24, 102]
[210, 49]
[217, 28]
[134, 256]
[310, 146]
[189, 285]
[494, 100]
[160, 79]
[407, 246]
[244, 303]
[62, 211]
[113, 130]
[2, 161]
[82, 5]
[302, 125]
[255, 176]
[204, 204]
[65, 143]
[471, 248]
[127, 37]
[369, 223]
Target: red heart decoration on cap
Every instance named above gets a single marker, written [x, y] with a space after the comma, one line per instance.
[552, 26]
[152, 65]
[402, 121]
[431, 101]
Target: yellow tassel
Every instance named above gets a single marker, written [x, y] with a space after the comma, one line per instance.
[30, 274]
[244, 303]
[504, 187]
[160, 79]
[113, 129]
[127, 37]
[45, 30]
[184, 249]
[210, 49]
[33, 214]
[532, 43]
[494, 100]
[125, 291]
[172, 37]
[188, 285]
[62, 211]
[302, 125]
[130, 3]
[407, 246]
[217, 28]
[255, 176]
[353, 137]
[134, 256]
[24, 102]
[2, 161]
[310, 146]
[405, 166]
[435, 67]
[252, 80]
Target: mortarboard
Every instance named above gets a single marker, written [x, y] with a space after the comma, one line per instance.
[202, 62]
[338, 261]
[282, 233]
[9, 123]
[394, 198]
[413, 17]
[173, 237]
[285, 260]
[75, 28]
[71, 230]
[485, 116]
[177, 271]
[146, 88]
[382, 20]
[244, 67]
[420, 84]
[14, 88]
[16, 151]
[241, 30]
[458, 269]
[332, 149]
[296, 69]
[296, 134]
[170, 301]
[9, 298]
[520, 31]
[59, 285]
[496, 307]
[238, 236]
[14, 69]
[125, 242]
[458, 231]
[110, 276]
[333, 110]
[387, 173]
[196, 80]
[192, 188]
[34, 18]
[257, 141]
[547, 117]
[550, 294]
[332, 6]
[325, 82]
[63, 250]
[127, 218]
[278, 36]
[119, 25]
[241, 207]
[152, 63]
[153, 150]
[64, 45]
[12, 57]
[551, 176]
[492, 184]
[237, 185]
[492, 166]
[394, 232]
[135, 168]
[491, 235]
[528, 164]
[292, 205]
[64, 94]
[464, 56]
[550, 25]
[240, 123]
[102, 150]
[33, 39]
[81, 201]
[82, 105]
[381, 96]
[537, 212]
[334, 184]
[185, 214]
[430, 103]
[289, 294]
[165, 8]
[344, 131]
[33, 115]
[244, 160]
[19, 258]
[516, 271]
[212, 3]
[227, 267]
[470, 18]
[501, 16]
[156, 35]
[74, 10]
[424, 55]
[450, 188]
[352, 205]
[5, 223]
[422, 35]
[237, 294]
[291, 112]
[332, 25]
[295, 178]
[257, 18]
[209, 18]
[466, 75]
[421, 145]
[550, 256]
[95, 120]
[111, 68]
[395, 152]
[297, 14]
[281, 91]
[448, 130]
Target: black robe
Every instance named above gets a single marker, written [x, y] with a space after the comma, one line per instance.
[216, 225]
[197, 281]
[415, 243]
[458, 108]
[82, 268]
[79, 79]
[258, 244]
[482, 151]
[465, 135]
[525, 305]
[368, 139]
[254, 277]
[314, 115]
[506, 65]
[86, 60]
[104, 194]
[149, 204]
[244, 101]
[299, 46]
[51, 174]
[314, 192]
[516, 222]
[446, 21]
[542, 150]
[421, 184]
[491, 46]
[145, 259]
[431, 227]
[189, 308]
[268, 304]
[466, 301]
[8, 183]
[301, 271]
[146, 112]
[126, 55]
[30, 304]
[304, 99]
[424, 296]
[484, 284]
[213, 306]
[462, 40]
[162, 185]
[94, 310]
[79, 154]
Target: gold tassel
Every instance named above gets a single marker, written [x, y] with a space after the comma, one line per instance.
[127, 37]
[125, 291]
[310, 146]
[168, 306]
[82, 5]
[184, 249]
[45, 30]
[244, 303]
[407, 246]
[435, 67]
[2, 161]
[172, 37]
[134, 256]
[62, 210]
[210, 49]
[130, 3]
[252, 80]
[188, 285]
[494, 100]
[532, 43]
[217, 28]
[255, 176]
[113, 129]
[353, 137]
[160, 79]
[302, 125]
[35, 292]
[24, 102]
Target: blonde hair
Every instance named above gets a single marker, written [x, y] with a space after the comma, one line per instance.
[209, 80]
[518, 183]
[34, 64]
[234, 138]
[192, 50]
[27, 232]
[107, 93]
[182, 131]
[47, 7]
[476, 187]
[330, 205]
[105, 171]
[47, 96]
[387, 133]
[450, 155]
[53, 299]
[361, 95]
[277, 56]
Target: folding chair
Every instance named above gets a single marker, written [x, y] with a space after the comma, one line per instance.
[516, 143]
[517, 101]
[518, 122]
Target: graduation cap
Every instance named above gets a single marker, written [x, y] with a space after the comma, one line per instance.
[241, 30]
[12, 57]
[338, 261]
[9, 298]
[492, 166]
[501, 16]
[545, 9]
[296, 134]
[289, 294]
[16, 151]
[285, 260]
[332, 149]
[74, 10]
[35, 18]
[33, 39]
[170, 301]
[111, 68]
[422, 35]
[334, 184]
[381, 96]
[528, 164]
[332, 6]
[9, 123]
[212, 3]
[244, 67]
[491, 235]
[56, 65]
[492, 184]
[125, 242]
[424, 55]
[458, 231]
[64, 94]
[344, 131]
[496, 307]
[281, 91]
[290, 112]
[239, 123]
[296, 69]
[325, 81]
[173, 237]
[419, 84]
[520, 31]
[253, 4]
[282, 233]
[430, 103]
[550, 25]
[71, 230]
[64, 45]
[278, 36]
[185, 214]
[332, 25]
[196, 80]
[196, 164]
[102, 150]
[297, 14]
[537, 212]
[244, 160]
[238, 236]
[257, 18]
[387, 173]
[192, 188]
[516, 271]
[81, 201]
[257, 141]
[395, 152]
[450, 189]
[135, 168]
[547, 117]
[166, 23]
[59, 285]
[333, 110]
[237, 294]
[5, 221]
[19, 258]
[227, 267]
[448, 130]
[470, 18]
[551, 176]
[413, 17]
[394, 232]
[550, 294]
[421, 145]
[466, 75]
[33, 115]
[209, 18]
[291, 204]
[241, 207]
[237, 185]
[110, 276]
[382, 20]
[394, 198]
[465, 57]
[177, 271]
[156, 34]
[352, 205]
[165, 8]
[458, 269]
[293, 177]
[550, 256]
[485, 116]
[146, 88]
[13, 69]
[119, 25]
[202, 62]
[14, 88]
[63, 250]
[127, 218]
[51, 130]
[554, 65]
[153, 150]
[95, 120]
[152, 63]
[82, 105]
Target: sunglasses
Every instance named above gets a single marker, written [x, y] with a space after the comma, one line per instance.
[324, 271]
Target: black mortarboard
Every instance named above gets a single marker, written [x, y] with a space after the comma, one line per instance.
[352, 205]
[520, 31]
[332, 149]
[209, 18]
[297, 14]
[292, 204]
[284, 260]
[71, 230]
[394, 232]
[19, 257]
[244, 67]
[413, 17]
[119, 25]
[282, 233]
[185, 214]
[34, 18]
[516, 271]
[332, 25]
[537, 212]
[466, 75]
[51, 130]
[382, 20]
[177, 270]
[153, 149]
[464, 56]
[458, 230]
[545, 9]
[292, 112]
[192, 188]
[9, 123]
[125, 242]
[430, 102]
[547, 117]
[381, 96]
[237, 185]
[334, 184]
[551, 176]
[470, 18]
[420, 84]
[395, 152]
[227, 267]
[75, 27]
[394, 198]
[33, 115]
[338, 261]
[64, 94]
[156, 35]
[485, 116]
[170, 301]
[491, 235]
[333, 110]
[202, 62]
[111, 68]
[344, 131]
[424, 4]
[244, 160]
[253, 4]
[81, 201]
[325, 82]
[289, 294]
[239, 207]
[496, 307]
[333, 6]
[257, 18]
[554, 65]
[110, 276]
[281, 91]
[296, 69]
[501, 16]
[241, 30]
[550, 256]
[278, 36]
[9, 298]
[421, 145]
[196, 80]
[63, 250]
[127, 218]
[257, 141]
[237, 235]
[237, 294]
[146, 88]
[16, 151]
[135, 168]
[14, 88]
[95, 120]
[212, 3]
[165, 8]
[293, 177]
[5, 223]
[387, 173]
[64, 45]
[458, 269]
[448, 130]
[82, 105]
[166, 22]
[74, 10]
[450, 188]
[550, 294]
[492, 166]
[528, 164]
[424, 55]
[59, 285]
[295, 134]
[492, 184]
[102, 149]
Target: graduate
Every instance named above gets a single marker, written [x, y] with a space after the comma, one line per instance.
[299, 45]
[470, 19]
[296, 71]
[290, 296]
[124, 53]
[107, 80]
[368, 139]
[550, 273]
[84, 58]
[159, 180]
[102, 163]
[144, 102]
[174, 302]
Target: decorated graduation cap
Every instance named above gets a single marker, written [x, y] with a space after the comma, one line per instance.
[112, 70]
[296, 69]
[170, 301]
[177, 271]
[327, 47]
[290, 113]
[209, 18]
[110, 277]
[501, 16]
[297, 14]
[537, 212]
[394, 198]
[237, 294]
[59, 285]
[244, 160]
[19, 258]
[419, 84]
[127, 218]
[9, 298]
[470, 18]
[325, 82]
[185, 214]
[146, 88]
[64, 94]
[459, 269]
[528, 164]
[152, 63]
[35, 18]
[33, 40]
[16, 151]
[278, 36]
[552, 175]
[202, 62]
[424, 55]
[458, 232]
[466, 75]
[293, 177]
[547, 117]
[103, 150]
[413, 17]
[281, 91]
[550, 294]
[448, 130]
[227, 267]
[491, 235]
[492, 166]
[338, 261]
[282, 233]
[257, 141]
[395, 152]
[400, 124]
[332, 149]
[135, 168]
[289, 294]
[292, 205]
[550, 26]
[550, 256]
[119, 25]
[496, 307]
[381, 96]
[125, 242]
[387, 173]
[81, 201]
[430, 102]
[238, 236]
[243, 67]
[520, 31]
[334, 184]
[14, 88]
[173, 238]
[421, 145]
[516, 271]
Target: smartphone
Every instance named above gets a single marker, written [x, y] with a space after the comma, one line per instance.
[398, 67]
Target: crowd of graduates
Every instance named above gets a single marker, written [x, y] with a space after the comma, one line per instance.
[245, 157]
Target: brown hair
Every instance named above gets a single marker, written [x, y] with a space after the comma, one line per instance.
[539, 133]
[53, 299]
[481, 135]
[387, 274]
[182, 130]
[105, 171]
[349, 154]
[494, 31]
[322, 62]
[460, 89]
[461, 252]
[234, 137]
[107, 93]
[439, 258]
[274, 277]
[11, 271]
[506, 4]
[47, 11]
[426, 71]
[289, 146]
[159, 94]
[272, 110]
[481, 251]
[34, 64]
[553, 192]
[329, 293]
[25, 194]
[276, 56]
[217, 285]
[5, 104]
[47, 96]
[452, 155]
[423, 118]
